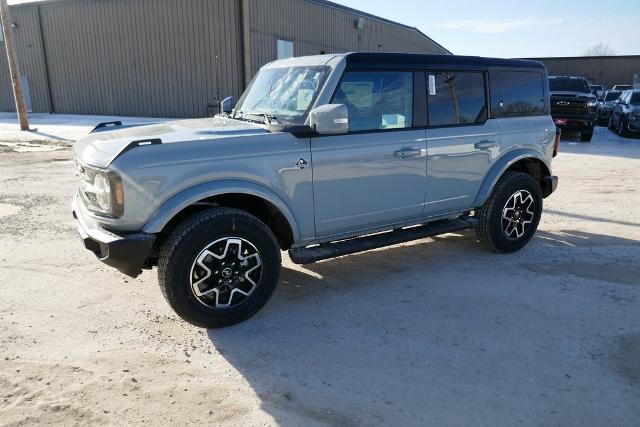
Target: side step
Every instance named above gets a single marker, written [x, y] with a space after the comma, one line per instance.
[323, 251]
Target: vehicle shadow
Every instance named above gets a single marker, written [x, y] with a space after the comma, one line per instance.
[418, 334]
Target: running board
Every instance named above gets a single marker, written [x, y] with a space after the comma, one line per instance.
[323, 251]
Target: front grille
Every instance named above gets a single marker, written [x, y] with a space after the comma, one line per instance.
[85, 179]
[569, 106]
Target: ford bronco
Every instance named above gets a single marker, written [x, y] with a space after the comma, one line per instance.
[322, 156]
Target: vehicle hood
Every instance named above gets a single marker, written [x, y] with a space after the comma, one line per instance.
[103, 146]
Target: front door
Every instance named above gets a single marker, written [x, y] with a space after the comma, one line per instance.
[374, 175]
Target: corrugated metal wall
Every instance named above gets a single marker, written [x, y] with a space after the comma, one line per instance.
[141, 57]
[32, 65]
[316, 28]
[608, 70]
[171, 58]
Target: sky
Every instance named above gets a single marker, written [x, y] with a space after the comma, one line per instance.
[516, 28]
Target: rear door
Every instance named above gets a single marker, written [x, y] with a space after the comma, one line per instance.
[519, 106]
[462, 142]
[374, 175]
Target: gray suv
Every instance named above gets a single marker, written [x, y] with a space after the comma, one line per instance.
[322, 156]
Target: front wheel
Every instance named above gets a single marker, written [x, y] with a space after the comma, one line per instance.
[623, 128]
[219, 267]
[510, 217]
[586, 136]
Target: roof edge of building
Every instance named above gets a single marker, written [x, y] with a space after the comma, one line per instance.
[328, 3]
[583, 57]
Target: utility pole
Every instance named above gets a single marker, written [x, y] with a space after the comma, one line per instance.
[14, 68]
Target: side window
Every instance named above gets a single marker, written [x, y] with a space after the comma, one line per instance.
[624, 96]
[457, 98]
[377, 99]
[521, 93]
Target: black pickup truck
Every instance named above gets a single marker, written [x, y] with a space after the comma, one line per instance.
[573, 105]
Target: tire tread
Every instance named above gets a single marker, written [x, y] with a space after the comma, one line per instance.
[182, 231]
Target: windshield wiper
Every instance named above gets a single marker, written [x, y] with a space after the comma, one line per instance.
[268, 118]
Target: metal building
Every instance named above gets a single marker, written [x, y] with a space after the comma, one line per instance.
[174, 58]
[607, 70]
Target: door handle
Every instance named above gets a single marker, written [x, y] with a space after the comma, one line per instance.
[485, 145]
[409, 152]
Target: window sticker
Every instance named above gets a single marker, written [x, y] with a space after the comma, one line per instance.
[393, 121]
[305, 96]
[432, 85]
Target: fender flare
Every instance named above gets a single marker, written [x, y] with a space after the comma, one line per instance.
[500, 167]
[173, 206]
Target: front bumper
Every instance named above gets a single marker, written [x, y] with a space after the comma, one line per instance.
[549, 185]
[127, 252]
[576, 123]
[633, 126]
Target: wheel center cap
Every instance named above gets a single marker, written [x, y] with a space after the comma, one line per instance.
[226, 273]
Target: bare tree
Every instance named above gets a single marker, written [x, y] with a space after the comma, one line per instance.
[601, 49]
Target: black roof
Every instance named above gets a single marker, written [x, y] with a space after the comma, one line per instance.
[413, 60]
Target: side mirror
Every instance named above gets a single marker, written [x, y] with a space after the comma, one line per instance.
[330, 119]
[227, 105]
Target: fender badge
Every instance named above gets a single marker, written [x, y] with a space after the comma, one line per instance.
[302, 163]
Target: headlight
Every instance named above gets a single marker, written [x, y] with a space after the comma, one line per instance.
[101, 191]
[592, 103]
[635, 117]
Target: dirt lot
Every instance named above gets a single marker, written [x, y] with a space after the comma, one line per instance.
[434, 332]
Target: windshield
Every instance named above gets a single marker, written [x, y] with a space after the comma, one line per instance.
[568, 85]
[635, 98]
[612, 96]
[284, 94]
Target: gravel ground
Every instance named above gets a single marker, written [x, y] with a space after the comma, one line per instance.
[438, 331]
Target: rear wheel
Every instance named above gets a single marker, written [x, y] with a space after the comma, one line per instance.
[510, 217]
[219, 267]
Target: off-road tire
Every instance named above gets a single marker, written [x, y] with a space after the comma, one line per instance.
[586, 136]
[183, 245]
[489, 229]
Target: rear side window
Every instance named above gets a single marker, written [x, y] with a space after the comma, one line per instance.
[457, 98]
[521, 93]
[377, 99]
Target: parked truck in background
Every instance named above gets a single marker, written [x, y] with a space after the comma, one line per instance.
[573, 105]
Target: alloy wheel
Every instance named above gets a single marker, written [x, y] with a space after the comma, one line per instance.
[518, 214]
[226, 272]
